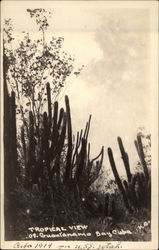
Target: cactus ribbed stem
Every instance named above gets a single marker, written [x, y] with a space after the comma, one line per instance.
[61, 116]
[86, 132]
[54, 136]
[31, 149]
[81, 160]
[117, 178]
[125, 159]
[49, 103]
[142, 156]
[13, 134]
[24, 145]
[69, 134]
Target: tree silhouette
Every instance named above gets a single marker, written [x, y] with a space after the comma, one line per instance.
[33, 64]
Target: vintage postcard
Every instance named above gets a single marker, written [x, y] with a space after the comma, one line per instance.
[79, 125]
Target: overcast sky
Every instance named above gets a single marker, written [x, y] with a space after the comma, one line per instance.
[115, 86]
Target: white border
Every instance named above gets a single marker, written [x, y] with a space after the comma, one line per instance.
[153, 7]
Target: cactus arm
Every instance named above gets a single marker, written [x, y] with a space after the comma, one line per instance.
[31, 146]
[62, 135]
[87, 128]
[94, 175]
[14, 134]
[88, 153]
[142, 156]
[125, 159]
[54, 136]
[81, 158]
[69, 134]
[136, 145]
[117, 178]
[80, 138]
[101, 152]
[75, 151]
[60, 117]
[23, 144]
[60, 145]
[49, 103]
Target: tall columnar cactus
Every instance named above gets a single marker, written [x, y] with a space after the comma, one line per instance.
[70, 146]
[54, 134]
[11, 170]
[49, 104]
[66, 169]
[61, 117]
[7, 135]
[140, 151]
[31, 148]
[14, 134]
[117, 178]
[81, 160]
[46, 164]
[24, 145]
[97, 161]
[137, 190]
[143, 179]
[125, 159]
[86, 132]
[46, 143]
[53, 145]
[82, 171]
[76, 148]
[131, 192]
[59, 147]
[143, 191]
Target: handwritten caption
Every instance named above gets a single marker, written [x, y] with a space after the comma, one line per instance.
[79, 246]
[73, 232]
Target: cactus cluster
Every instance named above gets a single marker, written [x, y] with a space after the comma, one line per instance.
[10, 141]
[11, 169]
[136, 190]
[57, 164]
[60, 166]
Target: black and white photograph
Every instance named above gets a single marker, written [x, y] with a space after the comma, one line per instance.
[79, 125]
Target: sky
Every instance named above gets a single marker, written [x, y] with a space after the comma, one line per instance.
[115, 87]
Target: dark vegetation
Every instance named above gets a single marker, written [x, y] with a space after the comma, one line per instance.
[48, 172]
